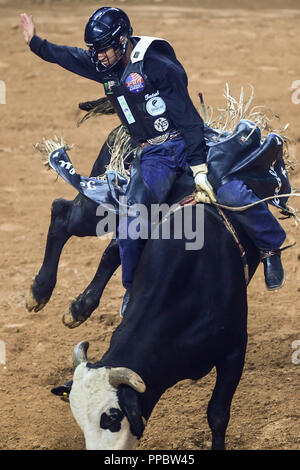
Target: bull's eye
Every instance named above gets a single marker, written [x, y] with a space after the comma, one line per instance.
[111, 420]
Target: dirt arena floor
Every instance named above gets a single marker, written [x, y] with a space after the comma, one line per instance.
[257, 46]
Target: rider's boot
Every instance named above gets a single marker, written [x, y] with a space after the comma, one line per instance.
[273, 270]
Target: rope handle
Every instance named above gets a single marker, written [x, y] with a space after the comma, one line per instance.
[201, 196]
[243, 208]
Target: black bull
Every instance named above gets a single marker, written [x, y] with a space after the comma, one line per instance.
[187, 312]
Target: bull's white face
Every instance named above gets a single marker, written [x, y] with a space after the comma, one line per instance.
[94, 404]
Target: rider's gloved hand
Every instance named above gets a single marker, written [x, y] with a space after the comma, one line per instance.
[201, 181]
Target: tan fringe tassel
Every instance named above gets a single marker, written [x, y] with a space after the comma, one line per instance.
[119, 145]
[47, 146]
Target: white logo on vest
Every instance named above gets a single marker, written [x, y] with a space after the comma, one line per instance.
[156, 106]
[161, 124]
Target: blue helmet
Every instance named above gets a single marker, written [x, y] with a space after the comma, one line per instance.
[104, 29]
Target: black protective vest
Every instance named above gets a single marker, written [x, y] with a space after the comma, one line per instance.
[138, 104]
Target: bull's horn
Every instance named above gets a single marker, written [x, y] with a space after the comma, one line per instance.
[122, 375]
[80, 353]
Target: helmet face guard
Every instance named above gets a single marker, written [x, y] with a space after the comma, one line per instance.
[96, 48]
[103, 31]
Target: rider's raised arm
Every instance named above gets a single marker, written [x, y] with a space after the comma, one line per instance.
[74, 59]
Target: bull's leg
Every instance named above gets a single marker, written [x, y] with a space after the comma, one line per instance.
[229, 371]
[77, 217]
[84, 305]
[44, 282]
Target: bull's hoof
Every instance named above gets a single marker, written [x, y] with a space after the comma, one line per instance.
[80, 310]
[70, 322]
[32, 304]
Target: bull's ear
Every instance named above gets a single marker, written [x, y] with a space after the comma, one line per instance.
[130, 405]
[63, 391]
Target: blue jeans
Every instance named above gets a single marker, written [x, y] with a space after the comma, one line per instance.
[160, 167]
[257, 221]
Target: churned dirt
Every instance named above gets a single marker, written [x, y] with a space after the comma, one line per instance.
[257, 46]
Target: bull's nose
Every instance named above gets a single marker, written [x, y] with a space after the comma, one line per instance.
[111, 420]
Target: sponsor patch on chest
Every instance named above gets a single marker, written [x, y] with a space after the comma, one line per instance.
[126, 110]
[161, 124]
[135, 83]
[156, 106]
[108, 86]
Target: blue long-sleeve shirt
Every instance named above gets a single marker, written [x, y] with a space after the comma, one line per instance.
[164, 71]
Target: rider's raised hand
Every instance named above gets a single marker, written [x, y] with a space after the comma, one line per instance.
[27, 26]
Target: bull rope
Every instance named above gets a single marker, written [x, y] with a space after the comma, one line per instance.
[200, 196]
